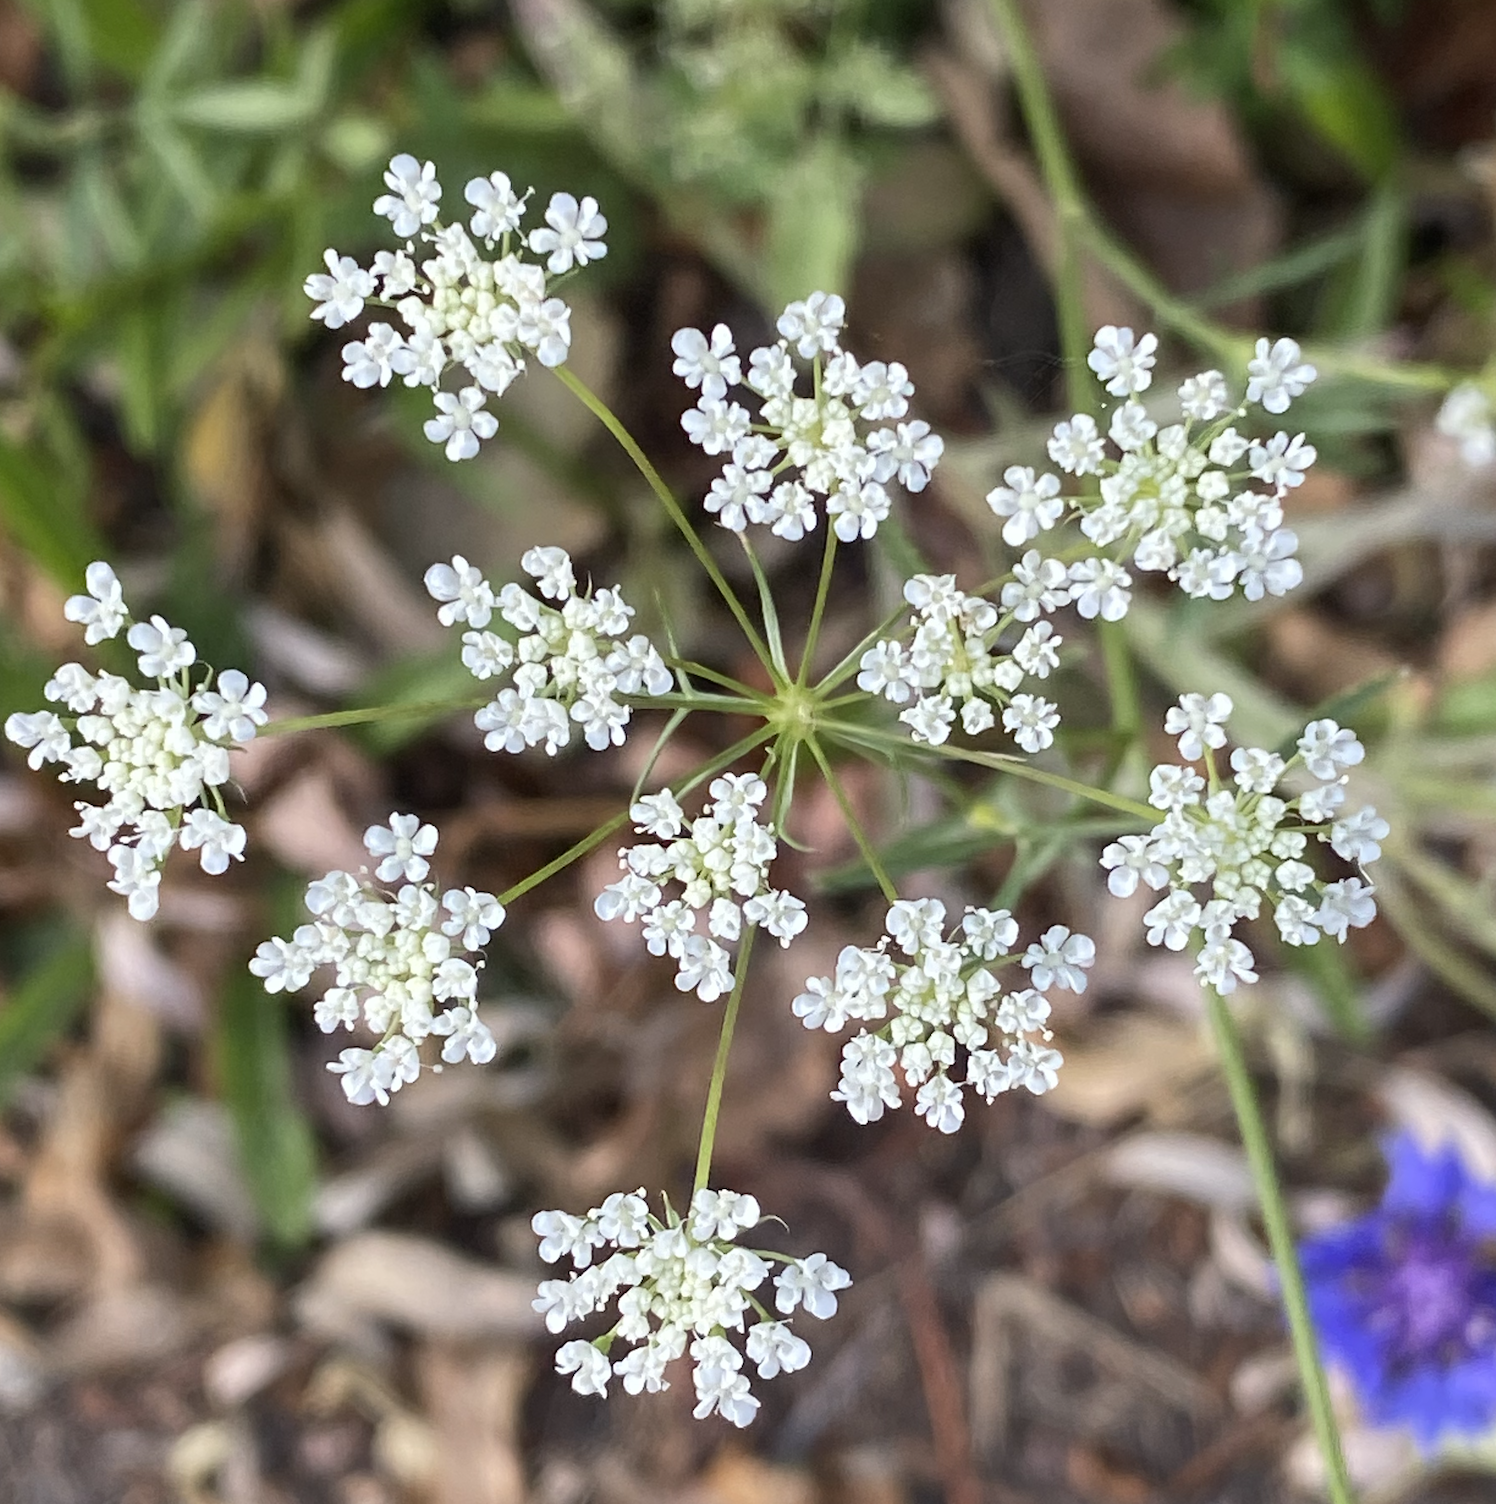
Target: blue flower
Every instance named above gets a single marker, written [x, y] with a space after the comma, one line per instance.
[1404, 1298]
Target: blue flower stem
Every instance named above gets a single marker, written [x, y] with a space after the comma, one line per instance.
[606, 416]
[1259, 1149]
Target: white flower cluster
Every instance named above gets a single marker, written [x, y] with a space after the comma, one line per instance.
[954, 659]
[1466, 417]
[400, 961]
[474, 302]
[566, 669]
[679, 1282]
[1196, 500]
[846, 441]
[942, 999]
[159, 754]
[721, 860]
[1241, 843]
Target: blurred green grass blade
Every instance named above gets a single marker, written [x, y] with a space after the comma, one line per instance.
[1344, 101]
[120, 34]
[43, 1004]
[1472, 981]
[813, 225]
[275, 1141]
[43, 514]
[1345, 708]
[1181, 657]
[1467, 707]
[265, 106]
[1325, 968]
[1301, 264]
[413, 681]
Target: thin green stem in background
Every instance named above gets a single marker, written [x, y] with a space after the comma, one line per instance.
[823, 587]
[1070, 210]
[368, 713]
[1078, 231]
[719, 1065]
[605, 415]
[1280, 1238]
[1000, 762]
[864, 845]
[601, 834]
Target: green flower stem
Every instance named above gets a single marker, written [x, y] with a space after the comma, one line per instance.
[864, 845]
[823, 587]
[567, 857]
[1000, 762]
[367, 713]
[778, 665]
[601, 834]
[749, 704]
[1072, 228]
[853, 661]
[1280, 1238]
[1060, 178]
[700, 671]
[719, 1065]
[605, 415]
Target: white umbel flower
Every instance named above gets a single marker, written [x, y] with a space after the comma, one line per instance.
[466, 299]
[843, 442]
[403, 961]
[1466, 417]
[1225, 852]
[159, 753]
[921, 996]
[720, 863]
[679, 1284]
[576, 664]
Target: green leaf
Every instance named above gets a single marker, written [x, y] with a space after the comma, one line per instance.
[1345, 103]
[864, 79]
[43, 1005]
[813, 225]
[1326, 969]
[275, 1140]
[264, 106]
[43, 514]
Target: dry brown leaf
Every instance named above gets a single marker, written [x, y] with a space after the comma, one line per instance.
[23, 1371]
[416, 1284]
[472, 1397]
[226, 445]
[304, 826]
[1467, 646]
[190, 1153]
[1188, 1165]
[240, 1369]
[1321, 659]
[1126, 1064]
[1037, 1358]
[139, 973]
[735, 1477]
[123, 1328]
[1167, 166]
